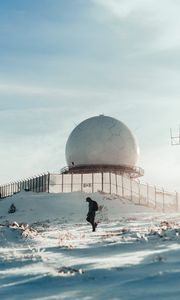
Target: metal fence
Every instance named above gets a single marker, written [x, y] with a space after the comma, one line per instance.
[38, 183]
[106, 182]
[121, 185]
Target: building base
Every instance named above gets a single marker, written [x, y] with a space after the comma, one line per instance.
[133, 172]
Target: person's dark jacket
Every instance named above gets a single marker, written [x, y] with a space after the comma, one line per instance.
[92, 209]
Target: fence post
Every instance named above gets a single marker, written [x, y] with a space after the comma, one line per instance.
[147, 194]
[45, 182]
[163, 200]
[36, 184]
[42, 183]
[131, 189]
[71, 182]
[81, 182]
[139, 190]
[177, 204]
[122, 186]
[39, 183]
[48, 181]
[19, 186]
[92, 182]
[7, 189]
[116, 184]
[109, 182]
[102, 182]
[62, 183]
[10, 189]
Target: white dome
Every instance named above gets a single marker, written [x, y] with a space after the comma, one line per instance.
[101, 140]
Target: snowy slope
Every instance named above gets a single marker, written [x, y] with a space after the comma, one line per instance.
[132, 255]
[67, 207]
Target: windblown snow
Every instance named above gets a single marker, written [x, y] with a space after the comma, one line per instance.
[48, 250]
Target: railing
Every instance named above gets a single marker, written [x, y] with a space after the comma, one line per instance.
[38, 183]
[104, 182]
[132, 171]
[121, 185]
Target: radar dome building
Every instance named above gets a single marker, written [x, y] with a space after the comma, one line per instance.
[101, 144]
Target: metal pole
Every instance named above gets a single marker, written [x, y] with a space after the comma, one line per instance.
[92, 182]
[42, 183]
[102, 182]
[71, 182]
[139, 189]
[36, 184]
[19, 188]
[131, 188]
[116, 184]
[109, 182]
[147, 194]
[45, 183]
[39, 183]
[155, 197]
[122, 187]
[177, 204]
[48, 177]
[163, 201]
[81, 182]
[62, 183]
[33, 184]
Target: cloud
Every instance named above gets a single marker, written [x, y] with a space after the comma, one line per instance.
[31, 155]
[121, 9]
[32, 90]
[161, 17]
[162, 166]
[18, 89]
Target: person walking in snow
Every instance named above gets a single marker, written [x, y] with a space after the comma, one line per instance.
[93, 207]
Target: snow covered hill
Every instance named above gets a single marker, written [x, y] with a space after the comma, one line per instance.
[134, 254]
[65, 207]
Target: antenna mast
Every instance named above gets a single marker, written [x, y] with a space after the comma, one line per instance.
[175, 140]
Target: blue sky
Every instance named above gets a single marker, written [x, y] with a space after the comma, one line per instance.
[64, 61]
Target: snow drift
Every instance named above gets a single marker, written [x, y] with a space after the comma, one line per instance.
[65, 207]
[132, 255]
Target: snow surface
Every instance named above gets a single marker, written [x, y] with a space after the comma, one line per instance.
[48, 251]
